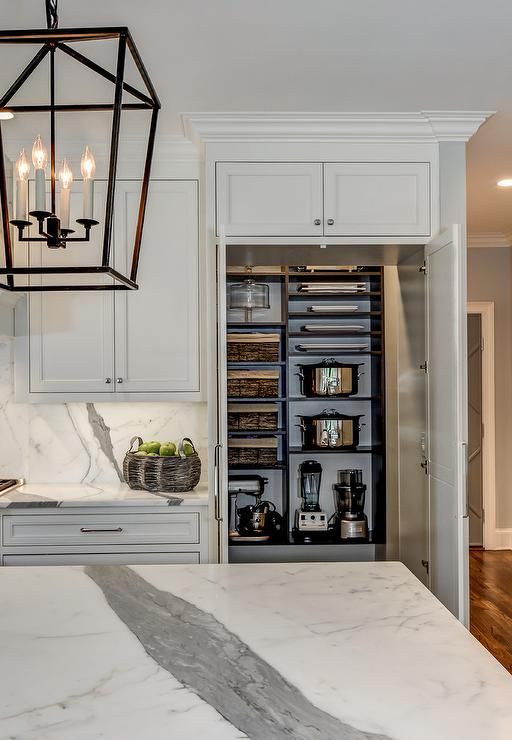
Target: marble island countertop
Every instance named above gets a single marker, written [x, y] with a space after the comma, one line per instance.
[339, 651]
[49, 495]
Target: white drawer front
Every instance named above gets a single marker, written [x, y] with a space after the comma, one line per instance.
[99, 529]
[126, 558]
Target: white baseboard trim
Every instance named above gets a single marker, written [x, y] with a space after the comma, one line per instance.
[502, 540]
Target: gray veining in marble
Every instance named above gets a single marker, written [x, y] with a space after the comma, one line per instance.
[214, 663]
[102, 433]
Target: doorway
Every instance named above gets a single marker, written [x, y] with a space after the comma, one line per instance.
[475, 431]
[481, 409]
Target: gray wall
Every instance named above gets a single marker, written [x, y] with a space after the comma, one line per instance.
[489, 279]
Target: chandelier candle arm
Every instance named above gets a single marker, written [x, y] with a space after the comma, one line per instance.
[40, 160]
[22, 172]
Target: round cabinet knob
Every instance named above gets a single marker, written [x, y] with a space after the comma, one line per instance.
[108, 380]
[330, 222]
[317, 221]
[119, 380]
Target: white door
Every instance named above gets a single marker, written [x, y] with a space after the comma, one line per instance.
[71, 334]
[377, 198]
[447, 419]
[220, 388]
[269, 198]
[157, 327]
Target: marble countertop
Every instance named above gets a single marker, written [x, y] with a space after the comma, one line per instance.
[338, 651]
[49, 495]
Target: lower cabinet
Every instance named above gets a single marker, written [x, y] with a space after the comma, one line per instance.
[106, 535]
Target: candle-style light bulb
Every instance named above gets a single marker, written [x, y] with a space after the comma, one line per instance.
[88, 168]
[65, 175]
[65, 179]
[22, 169]
[40, 160]
[22, 166]
[39, 154]
[87, 164]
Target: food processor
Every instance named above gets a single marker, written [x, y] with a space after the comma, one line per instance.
[350, 520]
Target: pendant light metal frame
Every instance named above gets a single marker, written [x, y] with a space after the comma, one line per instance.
[53, 40]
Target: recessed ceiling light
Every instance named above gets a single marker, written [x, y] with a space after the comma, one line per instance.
[6, 115]
[505, 183]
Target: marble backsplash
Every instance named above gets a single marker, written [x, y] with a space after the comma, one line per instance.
[83, 442]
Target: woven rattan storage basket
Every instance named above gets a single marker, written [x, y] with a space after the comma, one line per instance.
[167, 474]
[250, 451]
[254, 416]
[253, 347]
[253, 383]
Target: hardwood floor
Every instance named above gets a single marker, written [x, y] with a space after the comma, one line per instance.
[491, 602]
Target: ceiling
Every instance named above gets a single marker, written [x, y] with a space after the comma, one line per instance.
[323, 55]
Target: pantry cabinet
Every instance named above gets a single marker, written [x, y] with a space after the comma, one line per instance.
[374, 199]
[99, 345]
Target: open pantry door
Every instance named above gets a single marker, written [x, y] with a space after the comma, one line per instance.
[221, 449]
[445, 261]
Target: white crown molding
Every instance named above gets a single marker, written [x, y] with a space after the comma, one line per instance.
[489, 240]
[434, 126]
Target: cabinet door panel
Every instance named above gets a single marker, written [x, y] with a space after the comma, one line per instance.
[269, 199]
[72, 333]
[377, 198]
[157, 327]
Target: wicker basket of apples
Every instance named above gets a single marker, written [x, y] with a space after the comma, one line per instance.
[166, 467]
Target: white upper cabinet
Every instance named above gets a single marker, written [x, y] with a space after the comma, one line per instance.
[269, 198]
[377, 199]
[129, 345]
[70, 333]
[157, 327]
[374, 199]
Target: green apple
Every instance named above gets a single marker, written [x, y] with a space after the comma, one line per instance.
[141, 453]
[188, 449]
[153, 447]
[168, 449]
[152, 454]
[144, 447]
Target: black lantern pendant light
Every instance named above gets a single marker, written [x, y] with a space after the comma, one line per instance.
[42, 224]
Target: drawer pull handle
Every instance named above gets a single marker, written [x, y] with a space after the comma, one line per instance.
[90, 530]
